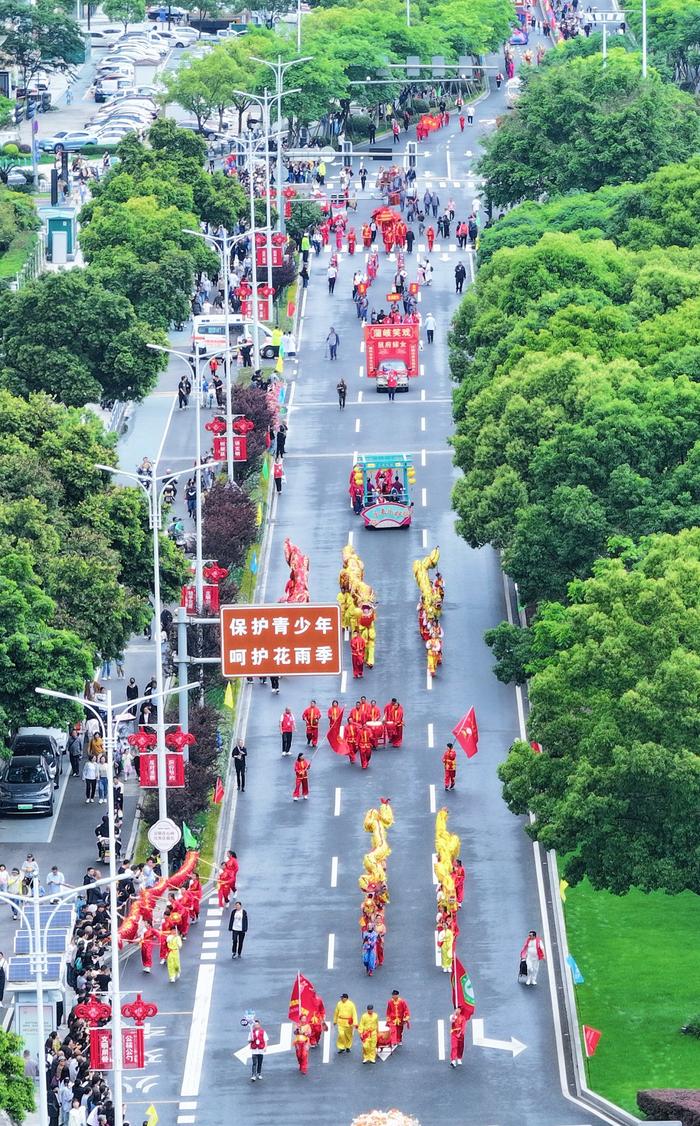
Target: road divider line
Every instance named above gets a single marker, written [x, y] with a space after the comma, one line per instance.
[361, 371]
[192, 1075]
[422, 422]
[334, 871]
[441, 1039]
[357, 426]
[331, 952]
[351, 536]
[336, 807]
[424, 538]
[431, 735]
[424, 497]
[360, 396]
[423, 458]
[343, 682]
[422, 395]
[437, 950]
[433, 862]
[327, 1047]
[431, 789]
[428, 681]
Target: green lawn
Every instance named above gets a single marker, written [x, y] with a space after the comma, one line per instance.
[639, 957]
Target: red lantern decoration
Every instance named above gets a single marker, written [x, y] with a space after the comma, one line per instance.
[142, 739]
[243, 425]
[93, 1010]
[179, 739]
[216, 425]
[289, 193]
[139, 1010]
[214, 573]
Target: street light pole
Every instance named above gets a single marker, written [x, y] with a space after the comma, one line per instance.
[644, 38]
[408, 13]
[279, 69]
[264, 104]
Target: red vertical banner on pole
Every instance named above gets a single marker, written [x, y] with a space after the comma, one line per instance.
[174, 769]
[100, 1049]
[133, 1048]
[148, 770]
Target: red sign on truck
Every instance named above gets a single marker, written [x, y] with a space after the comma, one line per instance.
[392, 342]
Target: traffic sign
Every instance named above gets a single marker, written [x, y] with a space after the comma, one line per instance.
[164, 835]
[328, 154]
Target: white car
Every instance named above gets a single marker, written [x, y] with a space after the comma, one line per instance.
[113, 136]
[140, 47]
[121, 113]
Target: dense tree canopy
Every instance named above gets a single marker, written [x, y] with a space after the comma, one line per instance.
[617, 789]
[581, 125]
[39, 37]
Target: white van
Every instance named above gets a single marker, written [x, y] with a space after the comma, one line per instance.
[209, 333]
[105, 87]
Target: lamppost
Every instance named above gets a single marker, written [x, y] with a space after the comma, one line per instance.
[264, 104]
[155, 497]
[279, 69]
[108, 738]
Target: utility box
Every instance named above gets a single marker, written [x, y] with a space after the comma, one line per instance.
[61, 222]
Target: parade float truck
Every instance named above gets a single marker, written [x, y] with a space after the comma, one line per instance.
[392, 348]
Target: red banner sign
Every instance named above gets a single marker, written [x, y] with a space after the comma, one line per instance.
[148, 770]
[280, 640]
[392, 342]
[210, 596]
[174, 770]
[133, 1049]
[240, 450]
[100, 1049]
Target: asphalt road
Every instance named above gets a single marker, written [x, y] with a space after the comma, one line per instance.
[300, 861]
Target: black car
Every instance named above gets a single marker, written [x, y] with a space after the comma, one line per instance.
[26, 786]
[40, 743]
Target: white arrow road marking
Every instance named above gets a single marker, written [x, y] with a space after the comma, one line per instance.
[284, 1045]
[481, 1041]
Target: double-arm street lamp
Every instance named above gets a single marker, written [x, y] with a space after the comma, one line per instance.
[279, 69]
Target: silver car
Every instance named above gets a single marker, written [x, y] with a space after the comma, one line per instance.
[26, 786]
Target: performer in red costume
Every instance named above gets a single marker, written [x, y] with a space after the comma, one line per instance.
[311, 717]
[393, 722]
[301, 770]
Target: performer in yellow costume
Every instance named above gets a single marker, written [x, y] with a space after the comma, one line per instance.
[345, 1020]
[368, 1029]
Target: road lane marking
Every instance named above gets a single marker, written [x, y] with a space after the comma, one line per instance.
[422, 369]
[210, 945]
[441, 1039]
[432, 868]
[438, 957]
[431, 735]
[334, 871]
[423, 458]
[205, 956]
[424, 497]
[336, 807]
[361, 372]
[343, 682]
[198, 1033]
[422, 395]
[327, 1047]
[360, 395]
[424, 537]
[428, 681]
[350, 537]
[357, 426]
[431, 789]
[422, 422]
[187, 1106]
[331, 951]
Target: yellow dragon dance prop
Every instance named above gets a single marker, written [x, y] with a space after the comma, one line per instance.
[357, 601]
[447, 848]
[430, 607]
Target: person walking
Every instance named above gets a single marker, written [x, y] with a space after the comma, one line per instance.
[14, 890]
[458, 1023]
[257, 1041]
[333, 343]
[470, 115]
[301, 770]
[302, 1038]
[398, 1017]
[449, 761]
[278, 474]
[331, 274]
[410, 239]
[363, 175]
[391, 385]
[55, 882]
[342, 389]
[287, 726]
[238, 926]
[239, 755]
[460, 276]
[102, 779]
[184, 390]
[174, 942]
[90, 779]
[532, 954]
[75, 752]
[304, 275]
[368, 1029]
[345, 1020]
[430, 328]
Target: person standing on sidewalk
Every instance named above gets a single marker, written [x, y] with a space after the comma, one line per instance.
[331, 274]
[90, 779]
[258, 1043]
[287, 726]
[239, 755]
[470, 115]
[75, 752]
[238, 926]
[278, 474]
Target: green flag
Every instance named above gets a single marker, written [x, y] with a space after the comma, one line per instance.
[188, 837]
[265, 470]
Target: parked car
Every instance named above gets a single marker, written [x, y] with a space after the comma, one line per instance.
[162, 13]
[46, 741]
[103, 36]
[106, 88]
[392, 367]
[26, 786]
[67, 141]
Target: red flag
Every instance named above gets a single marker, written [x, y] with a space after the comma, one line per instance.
[338, 744]
[462, 989]
[467, 733]
[218, 792]
[537, 748]
[591, 1036]
[304, 1000]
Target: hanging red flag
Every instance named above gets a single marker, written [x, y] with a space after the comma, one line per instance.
[338, 744]
[218, 792]
[591, 1036]
[304, 1000]
[462, 989]
[467, 733]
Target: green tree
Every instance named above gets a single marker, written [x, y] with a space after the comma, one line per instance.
[582, 125]
[67, 335]
[674, 38]
[16, 1089]
[6, 111]
[187, 89]
[617, 788]
[126, 11]
[39, 37]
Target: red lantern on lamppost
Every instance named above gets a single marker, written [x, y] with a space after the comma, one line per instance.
[216, 425]
[179, 739]
[139, 1010]
[265, 293]
[278, 244]
[133, 1046]
[214, 573]
[243, 425]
